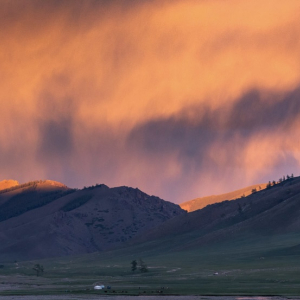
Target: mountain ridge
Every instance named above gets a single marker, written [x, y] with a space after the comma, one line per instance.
[201, 202]
[42, 220]
[264, 213]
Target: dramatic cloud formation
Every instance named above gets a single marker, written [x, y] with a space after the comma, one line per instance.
[178, 98]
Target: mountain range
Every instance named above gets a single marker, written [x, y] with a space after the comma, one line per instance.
[42, 219]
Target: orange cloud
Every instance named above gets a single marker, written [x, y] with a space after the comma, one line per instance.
[79, 80]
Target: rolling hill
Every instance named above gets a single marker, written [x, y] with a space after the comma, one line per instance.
[46, 219]
[199, 203]
[272, 211]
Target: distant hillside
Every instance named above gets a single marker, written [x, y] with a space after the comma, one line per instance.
[272, 211]
[45, 219]
[199, 203]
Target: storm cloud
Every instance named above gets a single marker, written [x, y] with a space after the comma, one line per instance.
[214, 149]
[179, 98]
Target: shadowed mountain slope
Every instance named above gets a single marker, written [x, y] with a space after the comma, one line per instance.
[19, 199]
[199, 203]
[275, 210]
[47, 219]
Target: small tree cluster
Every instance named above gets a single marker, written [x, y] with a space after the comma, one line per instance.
[38, 268]
[140, 264]
[240, 210]
[143, 266]
[282, 179]
[133, 265]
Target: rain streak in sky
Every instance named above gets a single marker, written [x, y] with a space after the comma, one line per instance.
[178, 98]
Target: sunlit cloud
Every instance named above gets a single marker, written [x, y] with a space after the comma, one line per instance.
[178, 98]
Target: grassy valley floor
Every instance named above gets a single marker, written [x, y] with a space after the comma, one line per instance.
[259, 267]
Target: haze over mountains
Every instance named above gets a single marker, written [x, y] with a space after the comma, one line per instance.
[200, 93]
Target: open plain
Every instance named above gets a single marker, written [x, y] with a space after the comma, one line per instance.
[266, 267]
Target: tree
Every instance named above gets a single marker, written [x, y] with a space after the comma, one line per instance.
[38, 268]
[133, 265]
[254, 191]
[143, 266]
[240, 210]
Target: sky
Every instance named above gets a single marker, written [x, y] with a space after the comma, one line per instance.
[181, 99]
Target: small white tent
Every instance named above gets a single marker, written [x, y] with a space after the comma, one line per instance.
[99, 287]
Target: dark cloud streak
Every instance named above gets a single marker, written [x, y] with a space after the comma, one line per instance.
[178, 98]
[226, 131]
[251, 114]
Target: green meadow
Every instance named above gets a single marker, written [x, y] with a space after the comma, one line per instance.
[245, 266]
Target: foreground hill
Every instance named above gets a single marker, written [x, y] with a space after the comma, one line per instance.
[201, 202]
[275, 210]
[45, 219]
